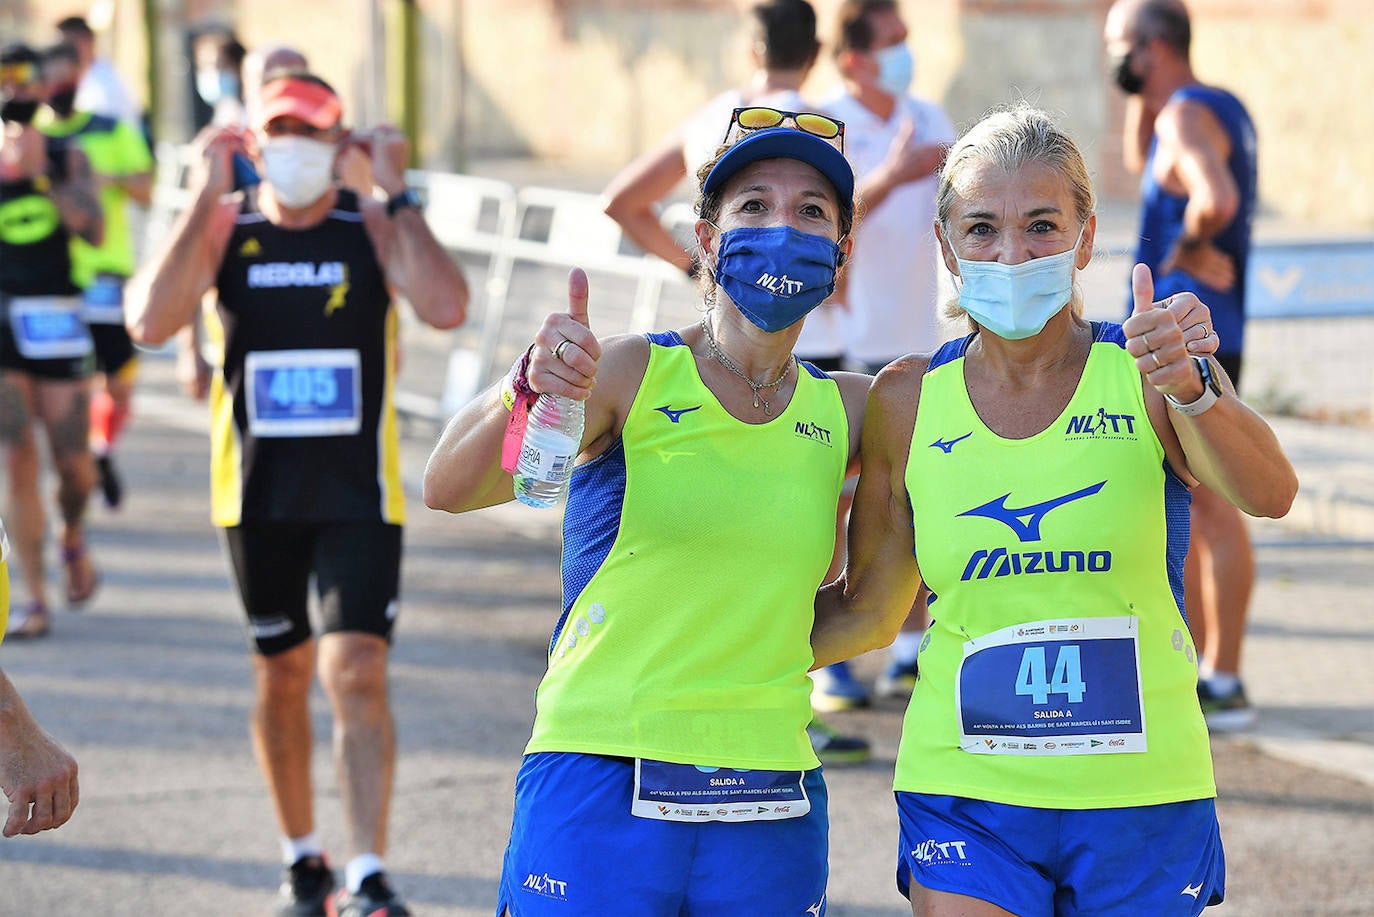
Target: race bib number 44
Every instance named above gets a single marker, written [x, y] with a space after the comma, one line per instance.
[1062, 687]
[299, 393]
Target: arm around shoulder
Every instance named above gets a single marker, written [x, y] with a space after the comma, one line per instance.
[865, 607]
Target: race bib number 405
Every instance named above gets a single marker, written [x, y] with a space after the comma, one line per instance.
[298, 393]
[1063, 687]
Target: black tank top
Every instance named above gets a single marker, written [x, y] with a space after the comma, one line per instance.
[308, 331]
[35, 257]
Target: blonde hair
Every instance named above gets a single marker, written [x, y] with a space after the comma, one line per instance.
[1012, 138]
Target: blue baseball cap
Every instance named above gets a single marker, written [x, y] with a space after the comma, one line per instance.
[786, 143]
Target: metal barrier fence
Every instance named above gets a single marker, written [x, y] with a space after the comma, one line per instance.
[503, 238]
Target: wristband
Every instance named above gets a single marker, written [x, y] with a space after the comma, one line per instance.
[516, 382]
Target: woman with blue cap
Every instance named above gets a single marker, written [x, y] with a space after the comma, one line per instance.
[669, 770]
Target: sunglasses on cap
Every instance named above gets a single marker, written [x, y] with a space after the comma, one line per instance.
[20, 73]
[757, 118]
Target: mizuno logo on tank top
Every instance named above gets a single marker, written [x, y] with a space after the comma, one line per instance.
[947, 446]
[676, 416]
[1025, 521]
[274, 274]
[1029, 529]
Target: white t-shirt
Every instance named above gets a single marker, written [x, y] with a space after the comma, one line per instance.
[702, 135]
[102, 92]
[892, 296]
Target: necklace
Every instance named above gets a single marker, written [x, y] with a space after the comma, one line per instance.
[729, 364]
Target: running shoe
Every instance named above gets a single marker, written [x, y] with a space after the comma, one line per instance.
[305, 888]
[898, 680]
[111, 486]
[1229, 712]
[30, 623]
[833, 748]
[373, 899]
[835, 688]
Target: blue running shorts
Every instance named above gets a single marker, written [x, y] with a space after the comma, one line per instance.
[1161, 860]
[575, 849]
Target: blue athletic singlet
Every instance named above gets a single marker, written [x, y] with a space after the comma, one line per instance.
[1162, 217]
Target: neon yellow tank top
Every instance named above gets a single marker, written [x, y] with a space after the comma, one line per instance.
[1058, 671]
[693, 549]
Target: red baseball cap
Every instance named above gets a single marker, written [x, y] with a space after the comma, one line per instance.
[296, 97]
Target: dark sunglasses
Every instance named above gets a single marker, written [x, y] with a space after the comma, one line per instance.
[757, 118]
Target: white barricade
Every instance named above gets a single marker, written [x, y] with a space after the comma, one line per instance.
[491, 228]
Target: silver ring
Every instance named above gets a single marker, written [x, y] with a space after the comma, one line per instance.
[558, 351]
[1205, 333]
[1145, 336]
[1155, 356]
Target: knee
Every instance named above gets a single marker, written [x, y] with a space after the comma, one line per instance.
[353, 667]
[285, 676]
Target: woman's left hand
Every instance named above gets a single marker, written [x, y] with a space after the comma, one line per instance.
[1163, 335]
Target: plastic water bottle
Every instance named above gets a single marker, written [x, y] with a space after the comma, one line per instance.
[551, 444]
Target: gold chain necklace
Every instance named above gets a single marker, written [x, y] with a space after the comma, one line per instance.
[729, 364]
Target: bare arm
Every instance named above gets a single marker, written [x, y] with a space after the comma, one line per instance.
[164, 294]
[415, 264]
[632, 194]
[76, 199]
[139, 187]
[35, 771]
[865, 607]
[1197, 149]
[464, 471]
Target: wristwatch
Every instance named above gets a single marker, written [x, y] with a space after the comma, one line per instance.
[402, 199]
[1211, 390]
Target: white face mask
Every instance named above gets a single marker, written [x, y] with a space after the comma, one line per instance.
[1014, 301]
[299, 169]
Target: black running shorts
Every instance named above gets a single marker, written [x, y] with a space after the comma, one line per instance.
[357, 571]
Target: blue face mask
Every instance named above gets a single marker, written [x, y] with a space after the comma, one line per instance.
[775, 274]
[896, 69]
[1014, 301]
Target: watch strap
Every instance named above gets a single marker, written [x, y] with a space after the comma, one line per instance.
[402, 199]
[1211, 391]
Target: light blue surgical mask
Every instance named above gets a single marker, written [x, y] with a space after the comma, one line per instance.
[215, 85]
[1014, 301]
[896, 69]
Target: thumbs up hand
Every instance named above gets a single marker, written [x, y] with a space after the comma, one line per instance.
[1163, 335]
[563, 361]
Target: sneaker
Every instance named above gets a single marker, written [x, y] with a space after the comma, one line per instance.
[1230, 712]
[835, 688]
[305, 888]
[833, 748]
[30, 623]
[898, 680]
[373, 899]
[111, 487]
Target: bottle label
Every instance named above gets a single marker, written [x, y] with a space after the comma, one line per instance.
[547, 457]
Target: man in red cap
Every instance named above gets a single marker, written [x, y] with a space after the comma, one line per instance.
[305, 463]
